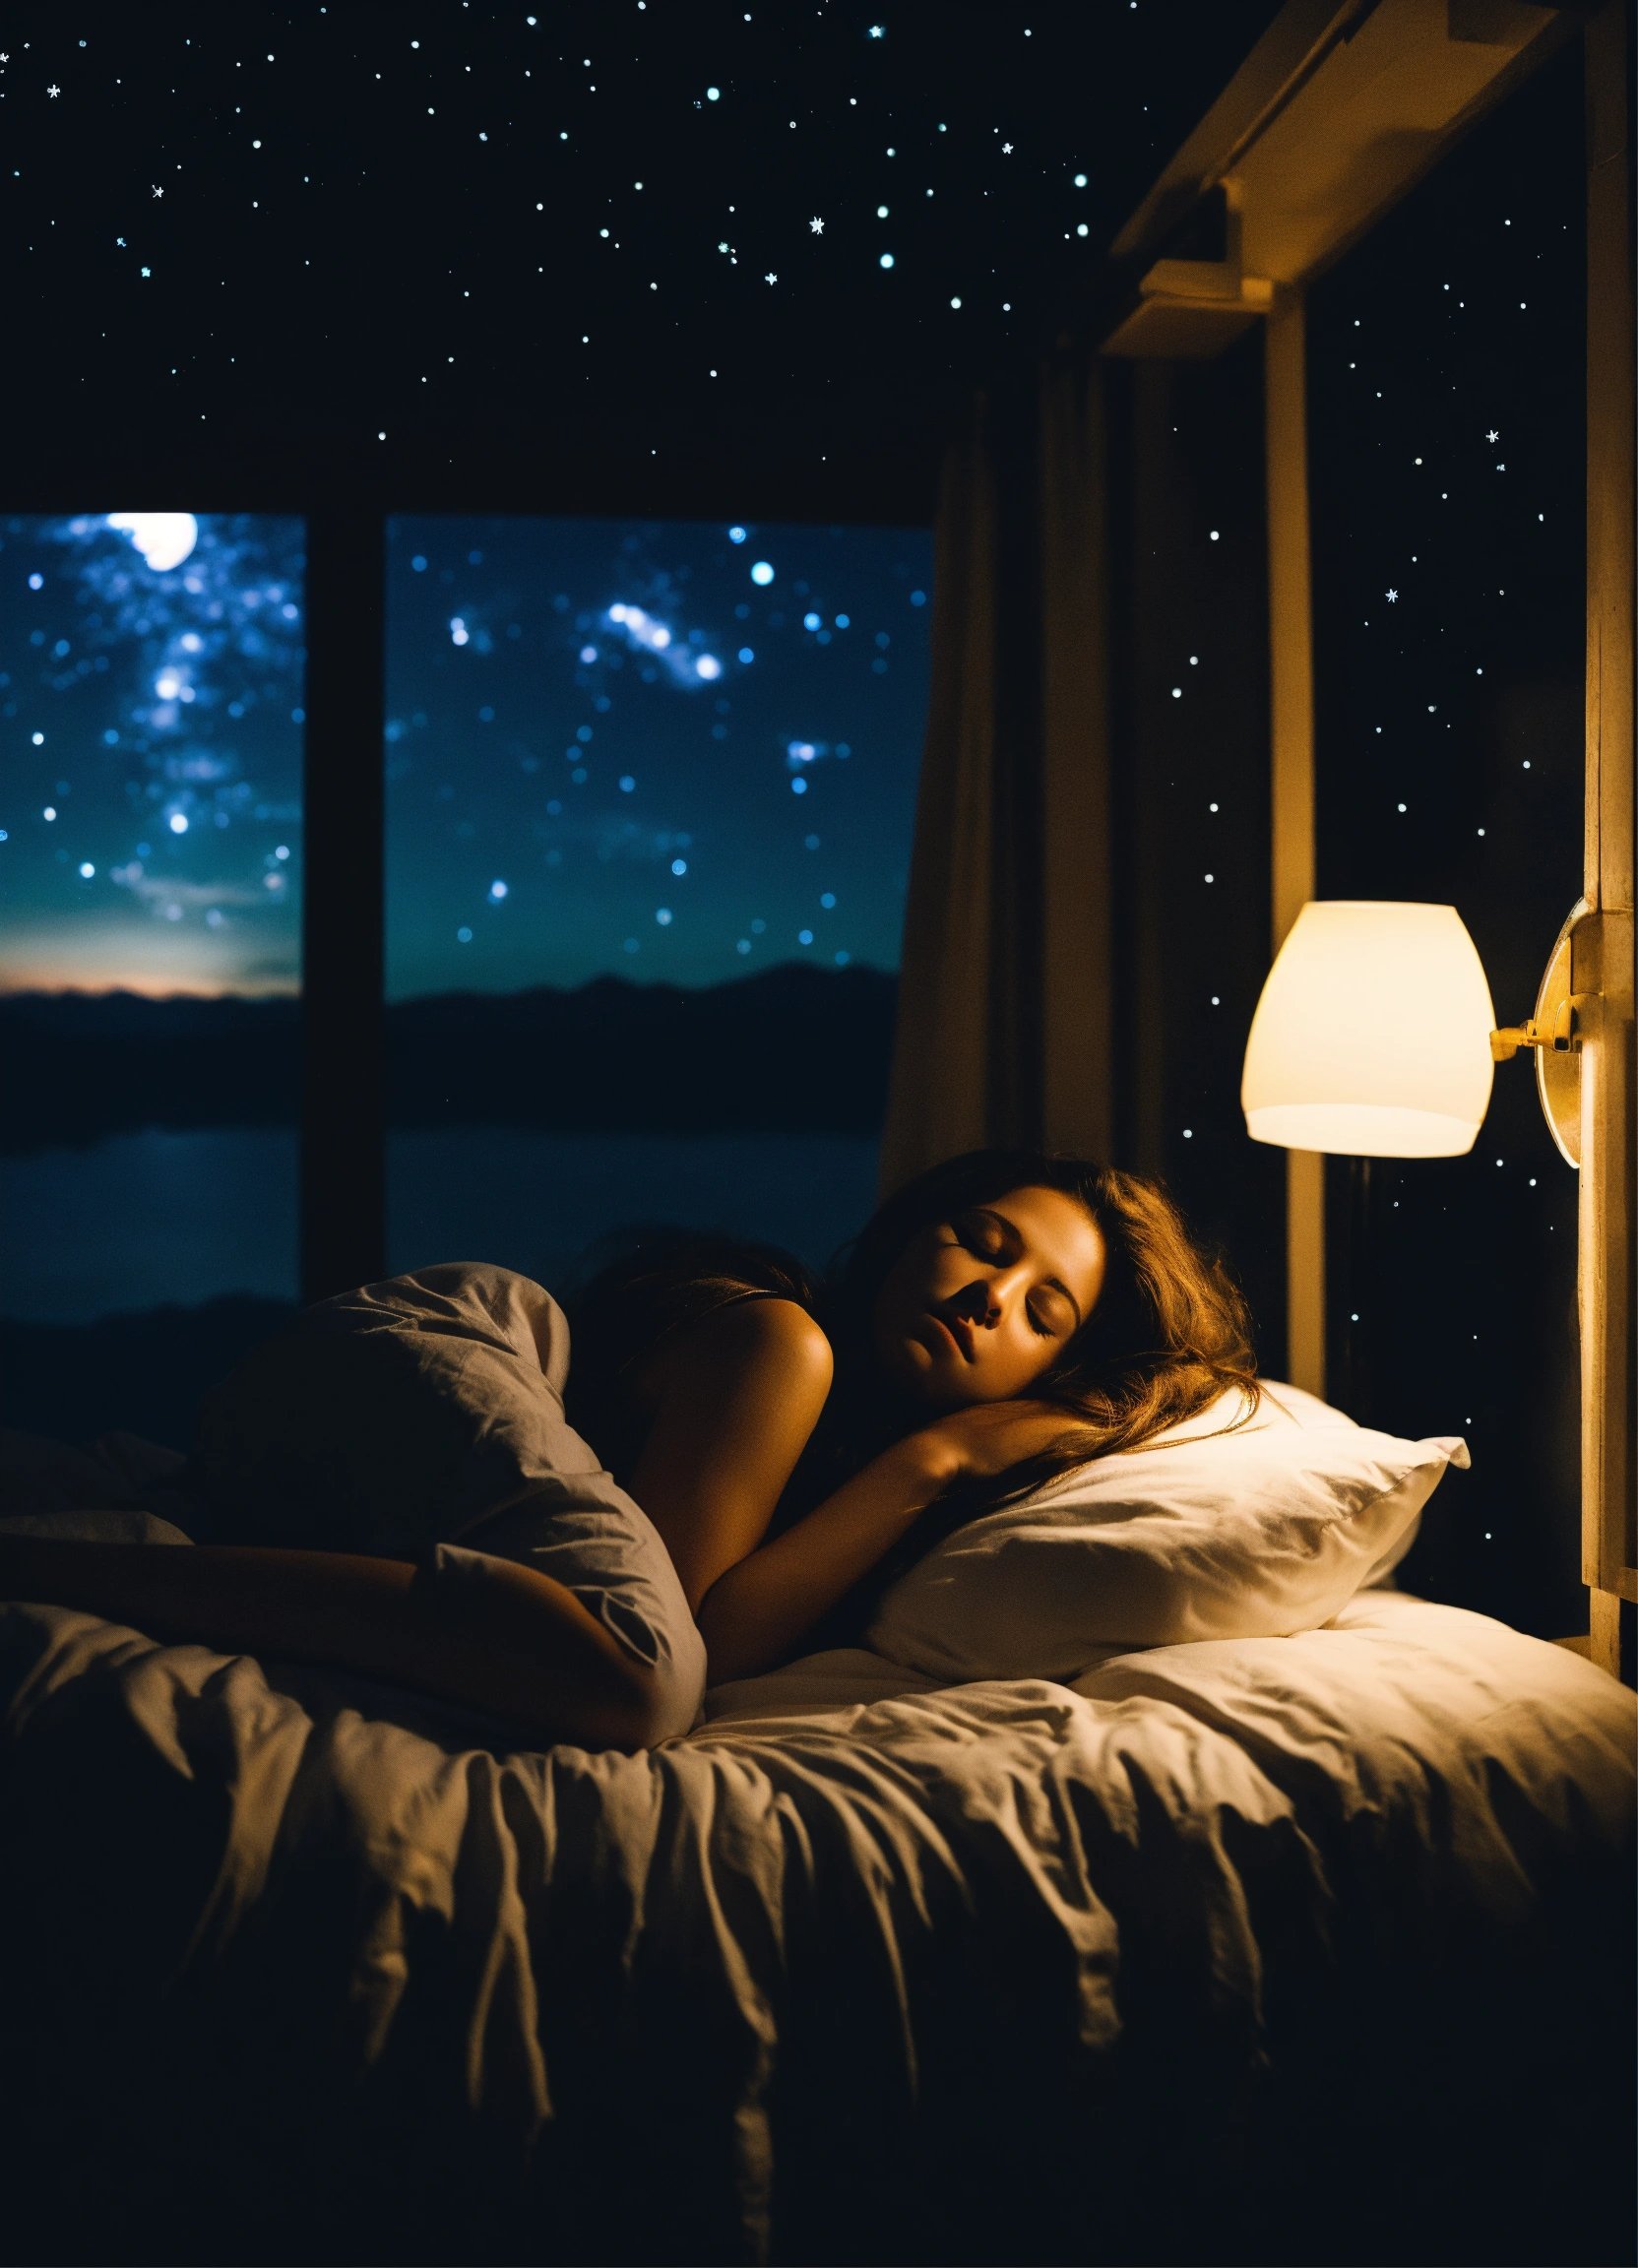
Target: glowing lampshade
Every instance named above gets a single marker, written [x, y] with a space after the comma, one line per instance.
[1372, 1035]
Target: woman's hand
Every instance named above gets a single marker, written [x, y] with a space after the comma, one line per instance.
[989, 1437]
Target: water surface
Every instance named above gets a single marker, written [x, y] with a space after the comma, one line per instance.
[154, 1218]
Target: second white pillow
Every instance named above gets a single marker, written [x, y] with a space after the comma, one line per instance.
[1258, 1531]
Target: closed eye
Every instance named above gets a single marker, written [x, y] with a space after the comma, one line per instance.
[984, 1244]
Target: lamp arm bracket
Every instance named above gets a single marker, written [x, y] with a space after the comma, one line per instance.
[1562, 1036]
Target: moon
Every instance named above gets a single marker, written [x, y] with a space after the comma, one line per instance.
[164, 538]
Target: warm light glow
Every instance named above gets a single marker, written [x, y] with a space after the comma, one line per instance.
[1372, 1035]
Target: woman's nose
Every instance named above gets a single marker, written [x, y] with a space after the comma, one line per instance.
[983, 1303]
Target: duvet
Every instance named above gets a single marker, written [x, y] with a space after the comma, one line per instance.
[1302, 1949]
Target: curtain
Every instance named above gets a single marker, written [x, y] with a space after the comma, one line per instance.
[1005, 1005]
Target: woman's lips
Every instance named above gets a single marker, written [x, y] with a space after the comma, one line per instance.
[961, 1339]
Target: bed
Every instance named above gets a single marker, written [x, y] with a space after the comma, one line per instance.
[1306, 1948]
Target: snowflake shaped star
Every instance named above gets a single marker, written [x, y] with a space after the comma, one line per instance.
[818, 227]
[157, 191]
[1006, 148]
[53, 92]
[1391, 596]
[770, 277]
[1492, 436]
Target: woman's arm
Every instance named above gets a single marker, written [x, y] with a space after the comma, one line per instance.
[754, 1613]
[735, 1398]
[518, 1645]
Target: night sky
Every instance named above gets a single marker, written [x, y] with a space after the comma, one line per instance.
[405, 231]
[665, 750]
[153, 704]
[395, 237]
[150, 764]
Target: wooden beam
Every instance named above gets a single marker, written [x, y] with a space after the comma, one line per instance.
[1340, 109]
[565, 462]
[1405, 82]
[1291, 723]
[1281, 62]
[1605, 971]
[342, 1208]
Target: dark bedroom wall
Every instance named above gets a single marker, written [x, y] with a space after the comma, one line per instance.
[1449, 728]
[1189, 636]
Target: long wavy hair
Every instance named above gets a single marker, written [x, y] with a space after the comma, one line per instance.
[1169, 1335]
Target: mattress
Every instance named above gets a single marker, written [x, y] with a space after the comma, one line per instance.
[1311, 1949]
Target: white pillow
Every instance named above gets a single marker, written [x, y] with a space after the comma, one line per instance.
[1254, 1532]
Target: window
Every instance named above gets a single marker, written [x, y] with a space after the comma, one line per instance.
[650, 798]
[150, 950]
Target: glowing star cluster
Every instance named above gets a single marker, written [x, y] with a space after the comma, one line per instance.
[681, 658]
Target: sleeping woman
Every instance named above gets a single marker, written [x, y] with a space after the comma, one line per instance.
[792, 1443]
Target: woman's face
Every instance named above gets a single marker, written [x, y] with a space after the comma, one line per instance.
[976, 1307]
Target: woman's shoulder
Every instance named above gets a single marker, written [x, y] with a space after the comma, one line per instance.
[642, 1307]
[665, 1284]
[654, 1277]
[745, 1323]
[748, 1324]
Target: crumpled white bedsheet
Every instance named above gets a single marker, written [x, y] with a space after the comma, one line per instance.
[862, 1968]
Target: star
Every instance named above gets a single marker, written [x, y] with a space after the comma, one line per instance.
[1392, 597]
[158, 192]
[1492, 436]
[1006, 148]
[770, 277]
[120, 241]
[876, 32]
[53, 92]
[818, 227]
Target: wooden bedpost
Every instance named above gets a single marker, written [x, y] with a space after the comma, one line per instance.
[342, 1233]
[1602, 967]
[1292, 802]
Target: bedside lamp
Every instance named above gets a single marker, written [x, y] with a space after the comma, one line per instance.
[1372, 1035]
[1371, 1040]
[1375, 1038]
